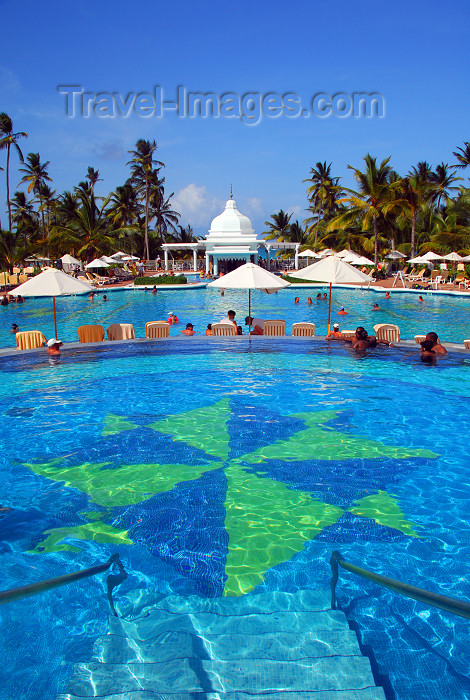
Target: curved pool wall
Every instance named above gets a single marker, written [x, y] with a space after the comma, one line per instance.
[177, 454]
[446, 314]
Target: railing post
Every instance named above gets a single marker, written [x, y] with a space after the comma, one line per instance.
[335, 557]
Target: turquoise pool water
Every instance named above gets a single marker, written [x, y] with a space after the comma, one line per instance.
[180, 458]
[447, 315]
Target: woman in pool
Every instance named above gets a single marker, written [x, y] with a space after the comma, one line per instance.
[437, 347]
[209, 329]
[309, 300]
[296, 300]
[172, 318]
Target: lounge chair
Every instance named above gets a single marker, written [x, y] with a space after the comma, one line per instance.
[121, 331]
[348, 335]
[303, 329]
[90, 334]
[13, 280]
[91, 279]
[274, 327]
[223, 329]
[462, 280]
[22, 278]
[466, 343]
[419, 338]
[157, 329]
[416, 278]
[28, 340]
[388, 332]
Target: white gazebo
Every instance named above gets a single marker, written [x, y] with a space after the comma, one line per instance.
[231, 239]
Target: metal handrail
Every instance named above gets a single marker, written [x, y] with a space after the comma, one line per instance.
[34, 588]
[452, 605]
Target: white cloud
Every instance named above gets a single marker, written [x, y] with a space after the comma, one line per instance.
[296, 212]
[254, 207]
[196, 206]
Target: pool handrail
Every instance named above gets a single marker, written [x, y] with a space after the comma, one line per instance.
[13, 594]
[436, 600]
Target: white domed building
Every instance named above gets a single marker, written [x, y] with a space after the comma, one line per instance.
[231, 242]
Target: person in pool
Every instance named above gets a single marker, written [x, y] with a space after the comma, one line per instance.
[387, 295]
[309, 300]
[296, 300]
[420, 298]
[319, 296]
[53, 346]
[172, 318]
[427, 348]
[154, 290]
[342, 312]
[437, 347]
[14, 328]
[189, 330]
[376, 307]
[334, 333]
[363, 341]
[209, 329]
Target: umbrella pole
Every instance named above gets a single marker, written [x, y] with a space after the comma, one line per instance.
[55, 318]
[329, 310]
[249, 312]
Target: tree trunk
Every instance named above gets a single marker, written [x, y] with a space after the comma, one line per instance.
[147, 219]
[413, 234]
[376, 242]
[8, 187]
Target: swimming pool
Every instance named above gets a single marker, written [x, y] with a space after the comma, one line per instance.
[365, 454]
[447, 315]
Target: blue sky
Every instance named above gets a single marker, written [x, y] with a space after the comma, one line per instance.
[415, 54]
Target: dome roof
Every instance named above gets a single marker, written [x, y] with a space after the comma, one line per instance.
[231, 222]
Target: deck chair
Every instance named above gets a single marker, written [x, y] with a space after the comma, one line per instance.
[3, 278]
[22, 278]
[462, 280]
[419, 338]
[223, 329]
[303, 329]
[274, 327]
[121, 331]
[348, 335]
[90, 334]
[157, 329]
[13, 280]
[466, 343]
[388, 332]
[416, 278]
[28, 340]
[90, 278]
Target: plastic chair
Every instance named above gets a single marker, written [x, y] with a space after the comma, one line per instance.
[121, 331]
[348, 335]
[419, 338]
[157, 329]
[13, 280]
[29, 340]
[90, 334]
[304, 329]
[274, 327]
[466, 344]
[388, 332]
[223, 329]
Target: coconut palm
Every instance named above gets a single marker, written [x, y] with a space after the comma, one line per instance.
[443, 180]
[368, 204]
[142, 168]
[323, 194]
[93, 176]
[185, 234]
[7, 140]
[279, 227]
[35, 174]
[23, 216]
[161, 210]
[463, 156]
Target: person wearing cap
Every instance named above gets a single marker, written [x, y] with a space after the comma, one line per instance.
[257, 325]
[53, 346]
[335, 333]
[14, 328]
[342, 312]
[189, 330]
[172, 318]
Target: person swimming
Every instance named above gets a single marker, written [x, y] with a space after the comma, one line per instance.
[342, 312]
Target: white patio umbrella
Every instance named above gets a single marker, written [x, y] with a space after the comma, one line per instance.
[333, 270]
[250, 276]
[395, 255]
[466, 258]
[119, 254]
[362, 260]
[345, 253]
[432, 256]
[52, 283]
[96, 263]
[129, 258]
[107, 259]
[307, 254]
[326, 252]
[419, 260]
[350, 258]
[454, 257]
[69, 260]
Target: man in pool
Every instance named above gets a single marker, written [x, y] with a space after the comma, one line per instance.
[53, 346]
[437, 347]
[230, 318]
[335, 333]
[189, 330]
[342, 312]
[257, 325]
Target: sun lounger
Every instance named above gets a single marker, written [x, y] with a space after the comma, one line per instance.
[274, 327]
[157, 329]
[13, 280]
[348, 335]
[388, 332]
[223, 329]
[29, 340]
[466, 344]
[419, 338]
[90, 334]
[121, 331]
[303, 329]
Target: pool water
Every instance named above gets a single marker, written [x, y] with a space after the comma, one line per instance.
[233, 469]
[448, 315]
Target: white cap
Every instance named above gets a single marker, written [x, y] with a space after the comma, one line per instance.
[53, 341]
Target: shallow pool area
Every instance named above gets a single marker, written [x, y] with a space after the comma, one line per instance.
[232, 469]
[446, 314]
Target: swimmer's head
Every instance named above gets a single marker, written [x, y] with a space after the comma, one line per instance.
[336, 326]
[52, 342]
[189, 326]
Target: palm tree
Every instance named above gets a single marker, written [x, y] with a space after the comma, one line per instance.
[297, 233]
[7, 140]
[35, 174]
[161, 209]
[322, 193]
[443, 182]
[185, 234]
[464, 156]
[93, 176]
[279, 227]
[368, 204]
[24, 216]
[142, 168]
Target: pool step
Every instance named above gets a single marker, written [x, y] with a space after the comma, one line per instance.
[272, 645]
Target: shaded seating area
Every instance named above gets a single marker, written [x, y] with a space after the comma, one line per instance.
[274, 327]
[90, 334]
[303, 329]
[121, 331]
[29, 340]
[387, 332]
[157, 329]
[223, 329]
